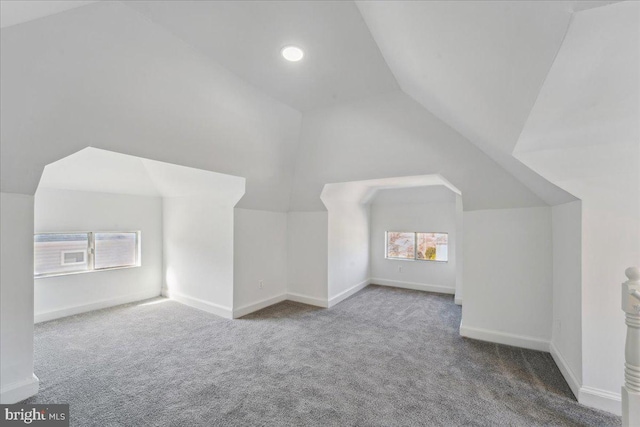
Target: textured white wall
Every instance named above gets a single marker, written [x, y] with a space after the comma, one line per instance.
[64, 210]
[508, 275]
[260, 254]
[427, 217]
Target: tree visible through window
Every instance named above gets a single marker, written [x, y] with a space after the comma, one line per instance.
[417, 245]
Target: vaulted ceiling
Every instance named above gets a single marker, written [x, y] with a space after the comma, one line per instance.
[342, 61]
[392, 88]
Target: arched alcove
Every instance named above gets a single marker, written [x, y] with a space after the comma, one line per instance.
[183, 217]
[348, 231]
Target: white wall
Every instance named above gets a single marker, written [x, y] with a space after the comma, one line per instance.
[128, 85]
[508, 275]
[307, 257]
[582, 134]
[459, 250]
[260, 255]
[348, 249]
[124, 84]
[566, 339]
[391, 135]
[483, 79]
[198, 252]
[17, 381]
[64, 210]
[410, 213]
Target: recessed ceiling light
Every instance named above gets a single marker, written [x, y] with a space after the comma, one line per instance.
[292, 53]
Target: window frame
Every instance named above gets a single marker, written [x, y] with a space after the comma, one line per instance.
[91, 251]
[415, 246]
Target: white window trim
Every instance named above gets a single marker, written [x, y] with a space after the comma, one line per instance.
[90, 259]
[415, 246]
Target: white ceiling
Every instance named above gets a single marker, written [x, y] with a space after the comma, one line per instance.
[591, 95]
[100, 171]
[202, 83]
[430, 194]
[342, 62]
[476, 65]
[104, 171]
[592, 4]
[584, 130]
[13, 12]
[105, 76]
[365, 191]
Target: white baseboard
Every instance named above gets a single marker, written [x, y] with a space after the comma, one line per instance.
[70, 311]
[346, 294]
[250, 308]
[209, 307]
[457, 301]
[413, 285]
[566, 370]
[304, 299]
[601, 399]
[18, 391]
[497, 337]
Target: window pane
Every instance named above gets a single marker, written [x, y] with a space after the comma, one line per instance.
[433, 246]
[60, 253]
[400, 244]
[115, 250]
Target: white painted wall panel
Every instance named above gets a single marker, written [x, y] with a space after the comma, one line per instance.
[423, 217]
[508, 272]
[567, 285]
[307, 250]
[348, 246]
[198, 252]
[16, 293]
[260, 254]
[65, 210]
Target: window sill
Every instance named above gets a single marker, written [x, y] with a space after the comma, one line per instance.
[415, 260]
[73, 273]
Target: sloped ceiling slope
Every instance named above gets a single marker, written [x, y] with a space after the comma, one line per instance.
[391, 135]
[431, 194]
[104, 171]
[104, 76]
[17, 12]
[584, 130]
[342, 62]
[99, 171]
[152, 79]
[477, 65]
[591, 95]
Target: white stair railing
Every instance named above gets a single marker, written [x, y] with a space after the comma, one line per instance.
[631, 388]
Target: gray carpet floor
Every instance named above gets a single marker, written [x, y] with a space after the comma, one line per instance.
[384, 357]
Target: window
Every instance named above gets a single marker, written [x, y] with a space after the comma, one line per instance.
[114, 250]
[67, 253]
[417, 246]
[57, 253]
